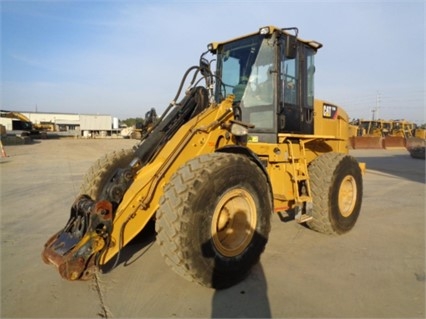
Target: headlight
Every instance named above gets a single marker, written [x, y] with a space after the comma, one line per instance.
[238, 130]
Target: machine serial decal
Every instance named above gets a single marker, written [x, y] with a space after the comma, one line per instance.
[253, 139]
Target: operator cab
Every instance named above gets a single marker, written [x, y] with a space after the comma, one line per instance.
[271, 74]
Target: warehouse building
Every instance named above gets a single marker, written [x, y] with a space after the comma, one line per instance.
[80, 125]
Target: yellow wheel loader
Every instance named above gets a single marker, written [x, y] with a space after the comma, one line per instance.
[247, 140]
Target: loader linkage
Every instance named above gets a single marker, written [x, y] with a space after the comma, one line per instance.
[74, 250]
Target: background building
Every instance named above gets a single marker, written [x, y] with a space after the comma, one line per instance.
[85, 125]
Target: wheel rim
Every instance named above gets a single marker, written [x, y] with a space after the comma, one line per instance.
[347, 195]
[234, 221]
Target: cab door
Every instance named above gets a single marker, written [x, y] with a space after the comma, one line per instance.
[296, 99]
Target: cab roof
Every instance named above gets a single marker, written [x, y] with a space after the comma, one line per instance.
[267, 30]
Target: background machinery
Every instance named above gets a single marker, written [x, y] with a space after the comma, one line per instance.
[379, 134]
[401, 130]
[18, 122]
[141, 129]
[370, 133]
[416, 144]
[249, 142]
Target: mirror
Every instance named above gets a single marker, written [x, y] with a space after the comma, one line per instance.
[290, 47]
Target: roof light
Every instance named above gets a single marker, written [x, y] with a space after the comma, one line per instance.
[212, 47]
[315, 44]
[264, 30]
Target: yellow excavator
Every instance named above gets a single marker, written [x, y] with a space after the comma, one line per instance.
[245, 141]
[22, 123]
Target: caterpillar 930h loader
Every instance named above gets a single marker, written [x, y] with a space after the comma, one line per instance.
[250, 141]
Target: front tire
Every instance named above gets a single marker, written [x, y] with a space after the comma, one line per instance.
[102, 171]
[336, 186]
[214, 219]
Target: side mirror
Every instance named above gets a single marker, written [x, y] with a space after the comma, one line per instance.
[290, 47]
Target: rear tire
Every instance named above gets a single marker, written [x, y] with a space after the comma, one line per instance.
[214, 219]
[336, 186]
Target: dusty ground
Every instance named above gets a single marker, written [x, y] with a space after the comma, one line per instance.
[377, 270]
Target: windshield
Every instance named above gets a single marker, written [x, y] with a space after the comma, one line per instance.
[246, 67]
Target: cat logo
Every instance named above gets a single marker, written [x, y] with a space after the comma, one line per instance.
[329, 111]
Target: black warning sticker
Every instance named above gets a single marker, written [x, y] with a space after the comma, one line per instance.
[329, 111]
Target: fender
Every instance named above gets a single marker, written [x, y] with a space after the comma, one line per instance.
[238, 149]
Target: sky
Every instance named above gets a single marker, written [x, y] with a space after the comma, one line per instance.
[124, 57]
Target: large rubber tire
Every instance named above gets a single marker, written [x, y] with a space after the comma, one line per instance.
[336, 186]
[214, 219]
[103, 170]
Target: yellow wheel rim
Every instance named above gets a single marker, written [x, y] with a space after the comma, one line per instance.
[347, 195]
[234, 222]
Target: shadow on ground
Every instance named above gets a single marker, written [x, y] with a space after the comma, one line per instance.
[134, 250]
[248, 299]
[413, 169]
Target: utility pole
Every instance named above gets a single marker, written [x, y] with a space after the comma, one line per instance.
[375, 111]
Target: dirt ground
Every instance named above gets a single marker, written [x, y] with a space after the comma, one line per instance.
[377, 270]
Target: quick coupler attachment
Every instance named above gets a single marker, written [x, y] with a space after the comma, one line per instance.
[75, 249]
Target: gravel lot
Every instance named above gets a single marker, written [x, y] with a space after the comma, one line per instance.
[377, 270]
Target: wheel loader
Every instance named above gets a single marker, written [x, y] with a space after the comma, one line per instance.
[246, 140]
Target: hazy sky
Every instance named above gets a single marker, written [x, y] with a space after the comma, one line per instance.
[124, 57]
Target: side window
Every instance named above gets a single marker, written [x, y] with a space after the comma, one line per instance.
[289, 118]
[260, 89]
[258, 101]
[310, 77]
[290, 81]
[230, 76]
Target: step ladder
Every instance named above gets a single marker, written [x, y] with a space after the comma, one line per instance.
[301, 184]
